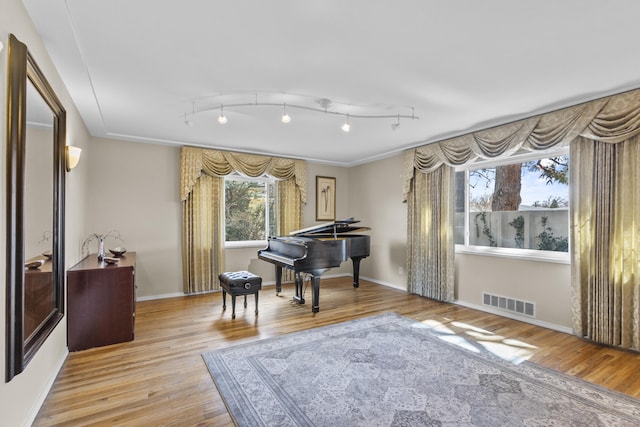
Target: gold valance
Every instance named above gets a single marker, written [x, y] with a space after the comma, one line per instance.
[611, 119]
[195, 161]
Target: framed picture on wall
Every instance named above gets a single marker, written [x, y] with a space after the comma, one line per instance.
[325, 198]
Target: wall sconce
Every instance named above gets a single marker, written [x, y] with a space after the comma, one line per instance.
[73, 157]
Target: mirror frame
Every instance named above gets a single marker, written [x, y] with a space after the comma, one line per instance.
[22, 66]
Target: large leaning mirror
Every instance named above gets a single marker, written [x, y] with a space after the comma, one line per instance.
[35, 208]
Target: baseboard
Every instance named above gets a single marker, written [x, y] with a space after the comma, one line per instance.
[368, 279]
[514, 316]
[272, 283]
[387, 284]
[161, 296]
[37, 404]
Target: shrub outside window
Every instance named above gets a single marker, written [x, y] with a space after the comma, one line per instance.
[249, 209]
[517, 207]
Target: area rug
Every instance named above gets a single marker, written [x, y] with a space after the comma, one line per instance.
[389, 370]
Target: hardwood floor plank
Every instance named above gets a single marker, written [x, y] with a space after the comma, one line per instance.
[161, 379]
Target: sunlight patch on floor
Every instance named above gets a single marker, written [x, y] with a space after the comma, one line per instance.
[509, 349]
[471, 327]
[460, 342]
[436, 326]
[506, 352]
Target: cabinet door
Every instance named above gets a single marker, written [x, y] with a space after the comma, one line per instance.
[100, 307]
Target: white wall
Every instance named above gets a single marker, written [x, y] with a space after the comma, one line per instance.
[21, 398]
[375, 191]
[135, 190]
[547, 284]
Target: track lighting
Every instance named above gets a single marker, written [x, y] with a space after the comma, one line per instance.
[222, 119]
[322, 105]
[285, 116]
[346, 127]
[396, 125]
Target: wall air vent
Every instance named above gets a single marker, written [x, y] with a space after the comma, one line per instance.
[513, 305]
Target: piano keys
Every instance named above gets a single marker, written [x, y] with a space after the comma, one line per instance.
[313, 251]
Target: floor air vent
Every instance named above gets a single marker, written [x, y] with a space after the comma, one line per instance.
[509, 304]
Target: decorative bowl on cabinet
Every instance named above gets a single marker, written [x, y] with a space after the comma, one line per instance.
[118, 251]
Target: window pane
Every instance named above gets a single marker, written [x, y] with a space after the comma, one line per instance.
[520, 205]
[245, 210]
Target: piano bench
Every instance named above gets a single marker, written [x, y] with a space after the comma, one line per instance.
[239, 283]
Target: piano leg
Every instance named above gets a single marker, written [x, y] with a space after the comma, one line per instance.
[356, 271]
[315, 303]
[278, 280]
[299, 283]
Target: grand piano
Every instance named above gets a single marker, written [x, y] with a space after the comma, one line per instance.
[313, 251]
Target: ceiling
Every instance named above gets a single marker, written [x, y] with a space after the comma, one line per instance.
[138, 69]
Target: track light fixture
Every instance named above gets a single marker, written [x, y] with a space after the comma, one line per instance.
[222, 119]
[187, 121]
[324, 105]
[346, 127]
[285, 116]
[395, 125]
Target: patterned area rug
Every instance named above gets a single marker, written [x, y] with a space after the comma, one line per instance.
[389, 370]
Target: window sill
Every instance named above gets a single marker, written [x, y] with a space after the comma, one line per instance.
[523, 254]
[246, 244]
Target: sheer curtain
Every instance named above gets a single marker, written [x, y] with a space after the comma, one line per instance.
[202, 193]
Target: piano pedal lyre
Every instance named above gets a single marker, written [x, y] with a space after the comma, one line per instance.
[299, 282]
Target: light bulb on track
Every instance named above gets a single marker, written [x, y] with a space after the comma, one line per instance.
[285, 117]
[222, 119]
[346, 127]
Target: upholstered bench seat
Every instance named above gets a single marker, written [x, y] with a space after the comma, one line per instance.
[239, 283]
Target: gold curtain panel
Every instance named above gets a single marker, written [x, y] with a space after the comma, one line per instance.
[195, 161]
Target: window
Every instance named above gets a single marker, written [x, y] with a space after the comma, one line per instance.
[519, 208]
[249, 209]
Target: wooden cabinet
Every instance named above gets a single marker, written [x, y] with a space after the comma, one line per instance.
[100, 302]
[38, 296]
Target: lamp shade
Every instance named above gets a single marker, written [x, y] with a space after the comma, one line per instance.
[73, 157]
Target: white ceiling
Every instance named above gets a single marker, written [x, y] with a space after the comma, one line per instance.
[136, 68]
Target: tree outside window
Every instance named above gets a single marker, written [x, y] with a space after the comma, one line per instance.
[249, 209]
[520, 205]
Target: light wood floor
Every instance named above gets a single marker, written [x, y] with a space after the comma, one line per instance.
[160, 378]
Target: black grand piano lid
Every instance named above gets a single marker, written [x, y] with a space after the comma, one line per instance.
[341, 226]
